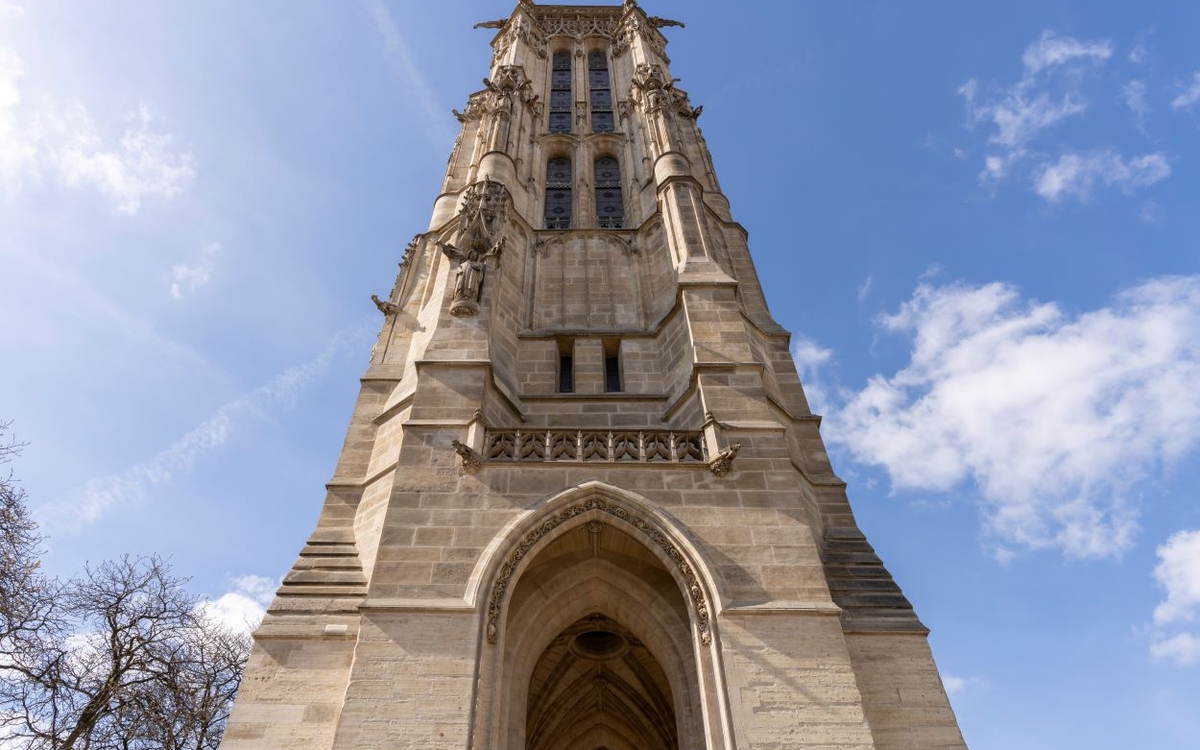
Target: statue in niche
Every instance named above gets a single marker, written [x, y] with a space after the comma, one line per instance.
[485, 207]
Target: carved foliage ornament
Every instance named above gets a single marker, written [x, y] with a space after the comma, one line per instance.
[508, 85]
[658, 92]
[691, 581]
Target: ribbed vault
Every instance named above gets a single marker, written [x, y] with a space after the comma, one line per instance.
[597, 680]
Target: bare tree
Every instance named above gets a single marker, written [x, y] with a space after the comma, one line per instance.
[120, 658]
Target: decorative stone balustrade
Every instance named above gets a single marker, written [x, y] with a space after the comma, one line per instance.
[595, 445]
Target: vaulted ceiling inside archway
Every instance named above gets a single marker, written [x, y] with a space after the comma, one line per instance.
[598, 684]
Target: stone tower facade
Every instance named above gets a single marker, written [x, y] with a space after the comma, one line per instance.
[583, 502]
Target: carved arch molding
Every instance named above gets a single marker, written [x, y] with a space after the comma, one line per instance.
[618, 512]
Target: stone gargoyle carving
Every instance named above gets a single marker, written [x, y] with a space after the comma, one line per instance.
[723, 462]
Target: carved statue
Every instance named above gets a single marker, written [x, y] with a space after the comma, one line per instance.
[491, 24]
[480, 221]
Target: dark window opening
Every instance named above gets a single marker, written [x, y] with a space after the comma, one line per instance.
[612, 366]
[601, 93]
[560, 93]
[610, 207]
[558, 193]
[566, 366]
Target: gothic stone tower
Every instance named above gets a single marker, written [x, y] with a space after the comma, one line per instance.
[583, 503]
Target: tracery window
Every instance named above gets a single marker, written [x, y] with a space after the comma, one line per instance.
[601, 93]
[560, 93]
[610, 208]
[558, 193]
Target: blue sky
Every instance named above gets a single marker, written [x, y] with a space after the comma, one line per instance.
[982, 225]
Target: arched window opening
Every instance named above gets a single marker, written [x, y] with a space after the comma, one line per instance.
[560, 93]
[558, 193]
[610, 208]
[601, 93]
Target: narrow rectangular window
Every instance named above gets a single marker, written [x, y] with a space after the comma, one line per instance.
[610, 207]
[560, 93]
[566, 366]
[612, 365]
[601, 93]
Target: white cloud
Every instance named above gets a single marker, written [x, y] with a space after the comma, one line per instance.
[17, 149]
[809, 358]
[958, 685]
[143, 166]
[99, 496]
[1048, 93]
[1052, 50]
[11, 10]
[864, 288]
[1077, 174]
[1055, 418]
[1134, 94]
[63, 140]
[243, 606]
[1182, 648]
[1190, 95]
[1138, 54]
[186, 279]
[1178, 572]
[1021, 111]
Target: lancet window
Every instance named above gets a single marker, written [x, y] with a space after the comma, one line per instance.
[601, 92]
[610, 208]
[560, 93]
[558, 193]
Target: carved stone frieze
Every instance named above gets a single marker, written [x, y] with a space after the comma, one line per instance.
[695, 592]
[592, 445]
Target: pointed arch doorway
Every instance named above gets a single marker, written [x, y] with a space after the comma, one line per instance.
[598, 633]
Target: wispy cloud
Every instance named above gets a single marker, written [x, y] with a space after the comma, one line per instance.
[186, 279]
[1190, 94]
[242, 607]
[100, 496]
[400, 60]
[11, 10]
[1056, 419]
[810, 357]
[143, 166]
[959, 685]
[1048, 93]
[17, 148]
[1020, 112]
[63, 141]
[1076, 175]
[1134, 94]
[1178, 573]
[864, 289]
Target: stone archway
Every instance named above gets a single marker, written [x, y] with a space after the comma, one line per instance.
[594, 561]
